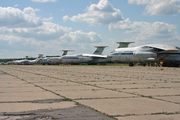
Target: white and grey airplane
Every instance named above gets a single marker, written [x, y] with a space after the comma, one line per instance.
[19, 62]
[169, 55]
[52, 60]
[94, 58]
[43, 61]
[32, 62]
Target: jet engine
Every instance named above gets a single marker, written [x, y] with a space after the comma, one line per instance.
[145, 54]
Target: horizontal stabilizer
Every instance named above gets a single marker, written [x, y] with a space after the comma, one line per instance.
[40, 56]
[66, 51]
[123, 44]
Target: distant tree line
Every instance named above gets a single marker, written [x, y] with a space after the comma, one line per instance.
[11, 59]
[53, 56]
[32, 58]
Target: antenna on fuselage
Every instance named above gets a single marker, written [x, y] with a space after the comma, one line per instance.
[123, 44]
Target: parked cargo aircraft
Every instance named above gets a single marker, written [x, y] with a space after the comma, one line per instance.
[43, 61]
[94, 58]
[19, 62]
[53, 60]
[169, 55]
[32, 62]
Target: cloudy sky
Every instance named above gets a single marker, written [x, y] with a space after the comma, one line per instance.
[30, 27]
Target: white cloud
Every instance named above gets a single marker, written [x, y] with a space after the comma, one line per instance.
[77, 40]
[48, 19]
[130, 27]
[101, 13]
[14, 17]
[148, 32]
[159, 7]
[81, 37]
[47, 31]
[23, 35]
[15, 5]
[44, 0]
[30, 10]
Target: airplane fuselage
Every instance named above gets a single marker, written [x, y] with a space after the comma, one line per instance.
[135, 54]
[74, 59]
[145, 54]
[53, 61]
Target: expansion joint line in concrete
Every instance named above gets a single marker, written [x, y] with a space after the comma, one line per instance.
[137, 95]
[66, 99]
[158, 113]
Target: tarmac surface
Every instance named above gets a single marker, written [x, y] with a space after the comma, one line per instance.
[89, 92]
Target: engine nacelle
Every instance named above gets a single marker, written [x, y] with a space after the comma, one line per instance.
[149, 59]
[145, 54]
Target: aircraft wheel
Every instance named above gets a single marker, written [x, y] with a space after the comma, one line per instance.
[131, 64]
[164, 65]
[144, 64]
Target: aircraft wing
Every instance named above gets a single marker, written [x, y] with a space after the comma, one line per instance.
[94, 55]
[163, 47]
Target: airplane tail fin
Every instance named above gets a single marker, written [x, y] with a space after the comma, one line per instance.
[65, 52]
[40, 56]
[99, 50]
[123, 44]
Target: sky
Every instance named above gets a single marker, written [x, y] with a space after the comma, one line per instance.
[32, 27]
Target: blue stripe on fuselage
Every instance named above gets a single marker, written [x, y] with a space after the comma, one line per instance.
[126, 53]
[122, 53]
[70, 58]
[168, 53]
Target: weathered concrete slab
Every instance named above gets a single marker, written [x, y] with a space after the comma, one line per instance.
[130, 86]
[27, 96]
[154, 92]
[94, 86]
[175, 99]
[92, 94]
[168, 85]
[55, 84]
[104, 83]
[20, 89]
[71, 88]
[150, 117]
[19, 107]
[127, 106]
[132, 81]
[17, 85]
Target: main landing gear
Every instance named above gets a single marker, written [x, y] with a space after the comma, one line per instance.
[131, 64]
